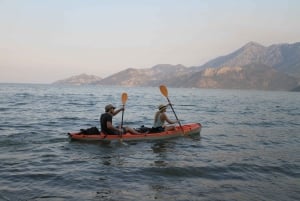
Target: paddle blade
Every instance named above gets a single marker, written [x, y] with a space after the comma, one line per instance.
[163, 90]
[124, 98]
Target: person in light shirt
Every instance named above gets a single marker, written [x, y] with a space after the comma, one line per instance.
[160, 118]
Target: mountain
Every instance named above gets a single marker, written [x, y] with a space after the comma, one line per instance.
[253, 66]
[81, 79]
[145, 77]
[283, 57]
[250, 53]
[251, 76]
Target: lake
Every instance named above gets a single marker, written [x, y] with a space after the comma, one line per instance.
[248, 148]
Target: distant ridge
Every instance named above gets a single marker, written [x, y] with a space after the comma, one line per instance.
[249, 53]
[145, 77]
[283, 57]
[251, 76]
[81, 79]
[253, 66]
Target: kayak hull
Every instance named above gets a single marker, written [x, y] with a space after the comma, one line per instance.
[185, 130]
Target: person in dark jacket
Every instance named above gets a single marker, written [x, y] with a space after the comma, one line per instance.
[106, 122]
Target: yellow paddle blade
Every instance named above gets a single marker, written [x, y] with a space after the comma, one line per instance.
[124, 98]
[163, 90]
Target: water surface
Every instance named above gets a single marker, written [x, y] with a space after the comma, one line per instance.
[248, 148]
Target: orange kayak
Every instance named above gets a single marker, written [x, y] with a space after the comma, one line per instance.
[187, 129]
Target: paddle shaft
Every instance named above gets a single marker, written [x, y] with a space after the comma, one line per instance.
[123, 99]
[175, 114]
[164, 91]
[122, 125]
[122, 116]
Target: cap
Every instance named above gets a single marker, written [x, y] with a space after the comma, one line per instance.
[108, 107]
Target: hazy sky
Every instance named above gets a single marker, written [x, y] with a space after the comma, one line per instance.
[42, 41]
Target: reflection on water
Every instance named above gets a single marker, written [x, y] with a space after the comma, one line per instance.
[161, 149]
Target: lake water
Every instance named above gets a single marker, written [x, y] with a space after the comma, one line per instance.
[249, 147]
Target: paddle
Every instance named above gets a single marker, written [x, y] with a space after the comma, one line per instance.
[124, 99]
[164, 91]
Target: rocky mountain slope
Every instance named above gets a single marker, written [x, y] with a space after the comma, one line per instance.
[251, 76]
[253, 66]
[81, 79]
[145, 77]
[283, 57]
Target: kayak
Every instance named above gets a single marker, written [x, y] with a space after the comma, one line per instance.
[185, 130]
[190, 129]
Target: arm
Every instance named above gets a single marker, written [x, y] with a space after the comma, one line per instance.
[164, 117]
[118, 110]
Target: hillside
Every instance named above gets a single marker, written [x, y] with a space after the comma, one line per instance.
[253, 66]
[283, 57]
[81, 79]
[252, 76]
[145, 77]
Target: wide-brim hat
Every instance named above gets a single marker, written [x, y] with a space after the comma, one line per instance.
[108, 107]
[162, 107]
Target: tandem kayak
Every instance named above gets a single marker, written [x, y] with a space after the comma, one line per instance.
[185, 130]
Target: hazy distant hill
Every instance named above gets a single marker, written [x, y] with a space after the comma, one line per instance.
[252, 76]
[145, 77]
[81, 79]
[253, 66]
[283, 57]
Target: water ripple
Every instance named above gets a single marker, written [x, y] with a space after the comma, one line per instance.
[248, 147]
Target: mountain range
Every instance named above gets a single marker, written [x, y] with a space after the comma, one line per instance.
[253, 66]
